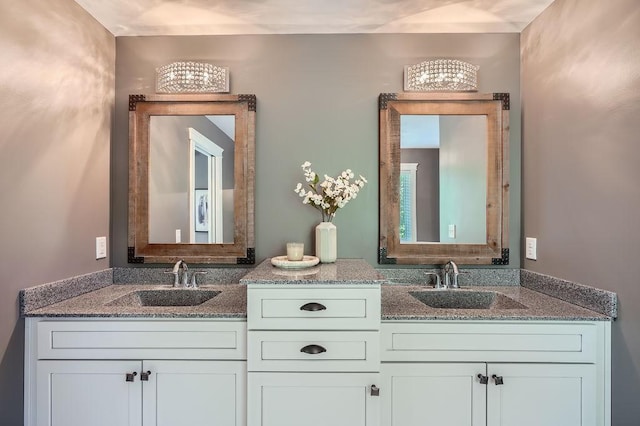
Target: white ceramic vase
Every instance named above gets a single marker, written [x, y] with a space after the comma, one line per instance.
[326, 242]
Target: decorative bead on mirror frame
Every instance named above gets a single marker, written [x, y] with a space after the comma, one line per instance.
[192, 77]
[441, 75]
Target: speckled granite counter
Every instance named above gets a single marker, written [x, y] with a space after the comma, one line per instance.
[343, 271]
[399, 304]
[89, 295]
[230, 303]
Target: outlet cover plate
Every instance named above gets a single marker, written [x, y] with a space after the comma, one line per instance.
[101, 247]
[531, 249]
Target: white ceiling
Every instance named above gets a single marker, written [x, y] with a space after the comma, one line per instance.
[204, 17]
[419, 131]
[226, 123]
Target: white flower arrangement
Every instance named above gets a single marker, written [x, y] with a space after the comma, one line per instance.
[331, 194]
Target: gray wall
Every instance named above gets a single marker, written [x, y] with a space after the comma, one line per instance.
[317, 101]
[581, 179]
[463, 178]
[427, 190]
[56, 98]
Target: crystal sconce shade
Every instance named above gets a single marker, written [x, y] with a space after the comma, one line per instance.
[192, 77]
[441, 75]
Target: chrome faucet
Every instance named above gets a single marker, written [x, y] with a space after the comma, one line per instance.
[179, 270]
[451, 275]
[185, 275]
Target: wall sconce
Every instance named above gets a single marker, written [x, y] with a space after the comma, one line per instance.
[192, 77]
[441, 75]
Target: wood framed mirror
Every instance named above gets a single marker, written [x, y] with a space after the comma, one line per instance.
[191, 178]
[444, 178]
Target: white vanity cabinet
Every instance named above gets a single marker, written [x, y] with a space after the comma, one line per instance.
[313, 355]
[135, 372]
[494, 373]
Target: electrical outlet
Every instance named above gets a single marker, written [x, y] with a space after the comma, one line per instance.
[531, 248]
[101, 247]
[178, 236]
[452, 231]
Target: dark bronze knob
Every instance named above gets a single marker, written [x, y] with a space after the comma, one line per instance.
[144, 376]
[498, 379]
[483, 379]
[375, 391]
[129, 377]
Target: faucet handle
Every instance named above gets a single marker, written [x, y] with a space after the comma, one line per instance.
[194, 282]
[438, 283]
[176, 279]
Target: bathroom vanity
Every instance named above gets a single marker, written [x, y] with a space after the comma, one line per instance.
[331, 345]
[94, 361]
[313, 345]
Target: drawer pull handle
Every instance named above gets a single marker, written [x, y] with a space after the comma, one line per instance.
[130, 376]
[313, 307]
[498, 379]
[144, 376]
[313, 349]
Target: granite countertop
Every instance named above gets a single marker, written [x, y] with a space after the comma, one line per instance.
[399, 304]
[343, 271]
[231, 302]
[93, 295]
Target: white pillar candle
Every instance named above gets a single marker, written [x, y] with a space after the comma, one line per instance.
[295, 251]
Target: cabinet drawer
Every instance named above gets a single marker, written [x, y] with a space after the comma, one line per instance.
[313, 351]
[155, 339]
[313, 308]
[489, 341]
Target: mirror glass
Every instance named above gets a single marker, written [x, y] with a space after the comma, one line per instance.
[444, 178]
[191, 178]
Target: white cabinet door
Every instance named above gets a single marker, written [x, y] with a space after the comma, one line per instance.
[542, 394]
[433, 394]
[313, 399]
[194, 393]
[82, 393]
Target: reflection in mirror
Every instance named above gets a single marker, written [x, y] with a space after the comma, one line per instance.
[191, 178]
[443, 179]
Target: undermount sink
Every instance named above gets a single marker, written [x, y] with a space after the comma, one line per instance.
[168, 297]
[466, 299]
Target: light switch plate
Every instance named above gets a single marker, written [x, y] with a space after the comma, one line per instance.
[101, 247]
[531, 248]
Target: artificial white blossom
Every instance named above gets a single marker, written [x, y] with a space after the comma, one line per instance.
[331, 194]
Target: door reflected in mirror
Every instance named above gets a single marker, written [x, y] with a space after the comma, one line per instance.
[443, 179]
[191, 179]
